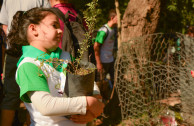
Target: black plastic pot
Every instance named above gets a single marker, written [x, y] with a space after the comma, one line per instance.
[81, 85]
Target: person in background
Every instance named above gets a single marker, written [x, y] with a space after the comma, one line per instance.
[2, 55]
[103, 47]
[64, 6]
[11, 100]
[38, 31]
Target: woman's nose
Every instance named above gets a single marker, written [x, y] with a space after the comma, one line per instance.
[60, 31]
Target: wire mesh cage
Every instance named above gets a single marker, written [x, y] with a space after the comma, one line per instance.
[153, 80]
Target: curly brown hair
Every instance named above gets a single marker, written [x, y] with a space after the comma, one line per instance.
[17, 36]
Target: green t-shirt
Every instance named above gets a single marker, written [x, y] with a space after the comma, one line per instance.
[100, 37]
[29, 76]
[103, 33]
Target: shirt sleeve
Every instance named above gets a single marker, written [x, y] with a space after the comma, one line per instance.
[48, 105]
[30, 78]
[100, 37]
[4, 14]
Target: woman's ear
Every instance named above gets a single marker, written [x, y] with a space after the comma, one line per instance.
[33, 29]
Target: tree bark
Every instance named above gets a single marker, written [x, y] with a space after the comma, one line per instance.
[119, 22]
[140, 18]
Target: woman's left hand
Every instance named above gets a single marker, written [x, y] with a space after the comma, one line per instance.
[83, 119]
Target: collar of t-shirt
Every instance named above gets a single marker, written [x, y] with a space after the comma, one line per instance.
[32, 52]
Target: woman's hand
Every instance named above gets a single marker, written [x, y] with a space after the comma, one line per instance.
[94, 109]
[94, 106]
[83, 119]
[98, 96]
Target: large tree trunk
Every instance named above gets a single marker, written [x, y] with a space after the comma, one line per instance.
[140, 18]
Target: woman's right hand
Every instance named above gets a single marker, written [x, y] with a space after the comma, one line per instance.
[94, 105]
[83, 119]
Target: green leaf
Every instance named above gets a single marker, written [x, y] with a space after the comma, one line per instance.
[172, 8]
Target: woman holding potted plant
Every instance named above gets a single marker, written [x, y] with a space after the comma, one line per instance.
[39, 29]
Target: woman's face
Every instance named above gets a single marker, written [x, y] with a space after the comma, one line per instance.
[49, 32]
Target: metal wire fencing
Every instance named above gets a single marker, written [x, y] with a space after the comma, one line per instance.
[153, 80]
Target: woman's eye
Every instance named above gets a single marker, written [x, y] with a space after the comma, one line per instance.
[55, 26]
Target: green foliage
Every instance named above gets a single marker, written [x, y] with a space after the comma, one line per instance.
[176, 15]
[90, 15]
[103, 8]
[172, 7]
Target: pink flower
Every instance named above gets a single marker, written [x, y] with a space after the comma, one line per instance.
[168, 121]
[192, 73]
